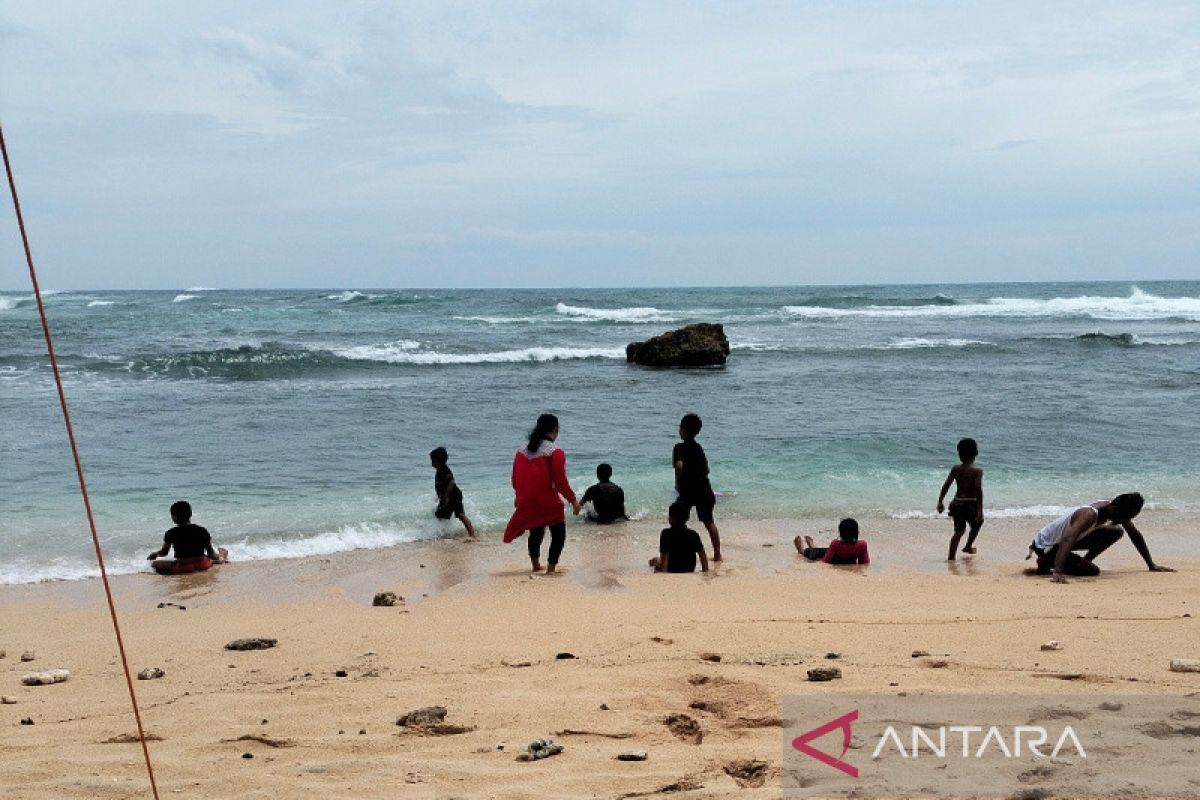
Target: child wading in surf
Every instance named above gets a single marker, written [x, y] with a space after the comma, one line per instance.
[966, 509]
[691, 478]
[450, 498]
[539, 477]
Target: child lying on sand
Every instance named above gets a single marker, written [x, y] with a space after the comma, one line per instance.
[846, 549]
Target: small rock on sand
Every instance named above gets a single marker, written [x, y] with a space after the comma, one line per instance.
[1185, 665]
[541, 748]
[1052, 645]
[1111, 705]
[255, 643]
[45, 678]
[824, 673]
[713, 657]
[28, 655]
[633, 755]
[150, 673]
[833, 656]
[26, 721]
[920, 653]
[387, 599]
[8, 701]
[430, 715]
[565, 656]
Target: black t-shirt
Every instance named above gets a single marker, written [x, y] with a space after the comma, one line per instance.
[188, 541]
[694, 479]
[608, 501]
[441, 480]
[681, 546]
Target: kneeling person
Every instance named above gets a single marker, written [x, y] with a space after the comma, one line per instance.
[607, 499]
[679, 545]
[193, 545]
[1093, 528]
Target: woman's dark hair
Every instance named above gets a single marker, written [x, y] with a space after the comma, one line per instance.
[545, 424]
[967, 449]
[848, 530]
[1128, 505]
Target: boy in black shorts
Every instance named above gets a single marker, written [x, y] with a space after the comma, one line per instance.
[966, 509]
[691, 478]
[450, 499]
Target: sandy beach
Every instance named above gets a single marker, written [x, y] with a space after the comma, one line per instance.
[316, 715]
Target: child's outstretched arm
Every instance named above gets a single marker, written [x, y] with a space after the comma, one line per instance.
[166, 548]
[945, 488]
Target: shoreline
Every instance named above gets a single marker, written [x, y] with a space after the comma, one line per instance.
[724, 649]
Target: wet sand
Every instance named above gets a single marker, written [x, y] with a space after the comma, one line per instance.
[479, 635]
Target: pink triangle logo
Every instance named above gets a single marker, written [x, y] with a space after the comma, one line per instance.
[843, 722]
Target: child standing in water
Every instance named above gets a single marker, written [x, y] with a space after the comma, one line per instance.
[450, 498]
[539, 477]
[966, 509]
[691, 478]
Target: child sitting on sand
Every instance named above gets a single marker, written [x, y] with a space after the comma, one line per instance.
[846, 549]
[679, 545]
[967, 506]
[193, 545]
[450, 498]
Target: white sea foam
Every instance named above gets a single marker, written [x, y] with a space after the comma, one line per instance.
[917, 343]
[201, 289]
[9, 303]
[1015, 512]
[634, 314]
[365, 536]
[350, 296]
[98, 303]
[402, 353]
[183, 298]
[1138, 305]
[500, 320]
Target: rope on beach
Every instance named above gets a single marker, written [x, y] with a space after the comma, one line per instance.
[87, 504]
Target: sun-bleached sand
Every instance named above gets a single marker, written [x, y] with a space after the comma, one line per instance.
[481, 637]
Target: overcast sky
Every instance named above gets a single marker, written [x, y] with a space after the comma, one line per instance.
[364, 144]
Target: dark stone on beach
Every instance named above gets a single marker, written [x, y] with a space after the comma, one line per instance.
[172, 605]
[341, 673]
[247, 755]
[150, 673]
[604, 707]
[919, 653]
[713, 657]
[833, 656]
[633, 755]
[27, 721]
[702, 344]
[824, 673]
[430, 715]
[252, 644]
[387, 599]
[565, 656]
[28, 655]
[1111, 705]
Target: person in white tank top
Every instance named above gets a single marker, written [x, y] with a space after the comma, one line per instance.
[1093, 528]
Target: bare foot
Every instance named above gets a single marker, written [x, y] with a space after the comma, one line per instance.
[537, 566]
[550, 570]
[799, 544]
[970, 550]
[717, 556]
[808, 541]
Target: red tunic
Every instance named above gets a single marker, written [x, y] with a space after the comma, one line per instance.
[538, 479]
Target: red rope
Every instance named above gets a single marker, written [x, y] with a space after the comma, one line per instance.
[87, 504]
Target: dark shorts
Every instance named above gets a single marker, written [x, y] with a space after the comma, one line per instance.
[452, 508]
[703, 501]
[963, 512]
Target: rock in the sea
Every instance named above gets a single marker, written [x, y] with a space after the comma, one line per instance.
[45, 678]
[702, 344]
[633, 755]
[252, 644]
[1052, 645]
[1185, 665]
[28, 655]
[430, 715]
[824, 673]
[387, 599]
[150, 673]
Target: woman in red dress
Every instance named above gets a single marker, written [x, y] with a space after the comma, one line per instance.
[539, 476]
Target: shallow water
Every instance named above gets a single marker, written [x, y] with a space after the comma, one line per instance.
[298, 422]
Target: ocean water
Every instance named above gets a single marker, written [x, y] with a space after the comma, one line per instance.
[298, 421]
